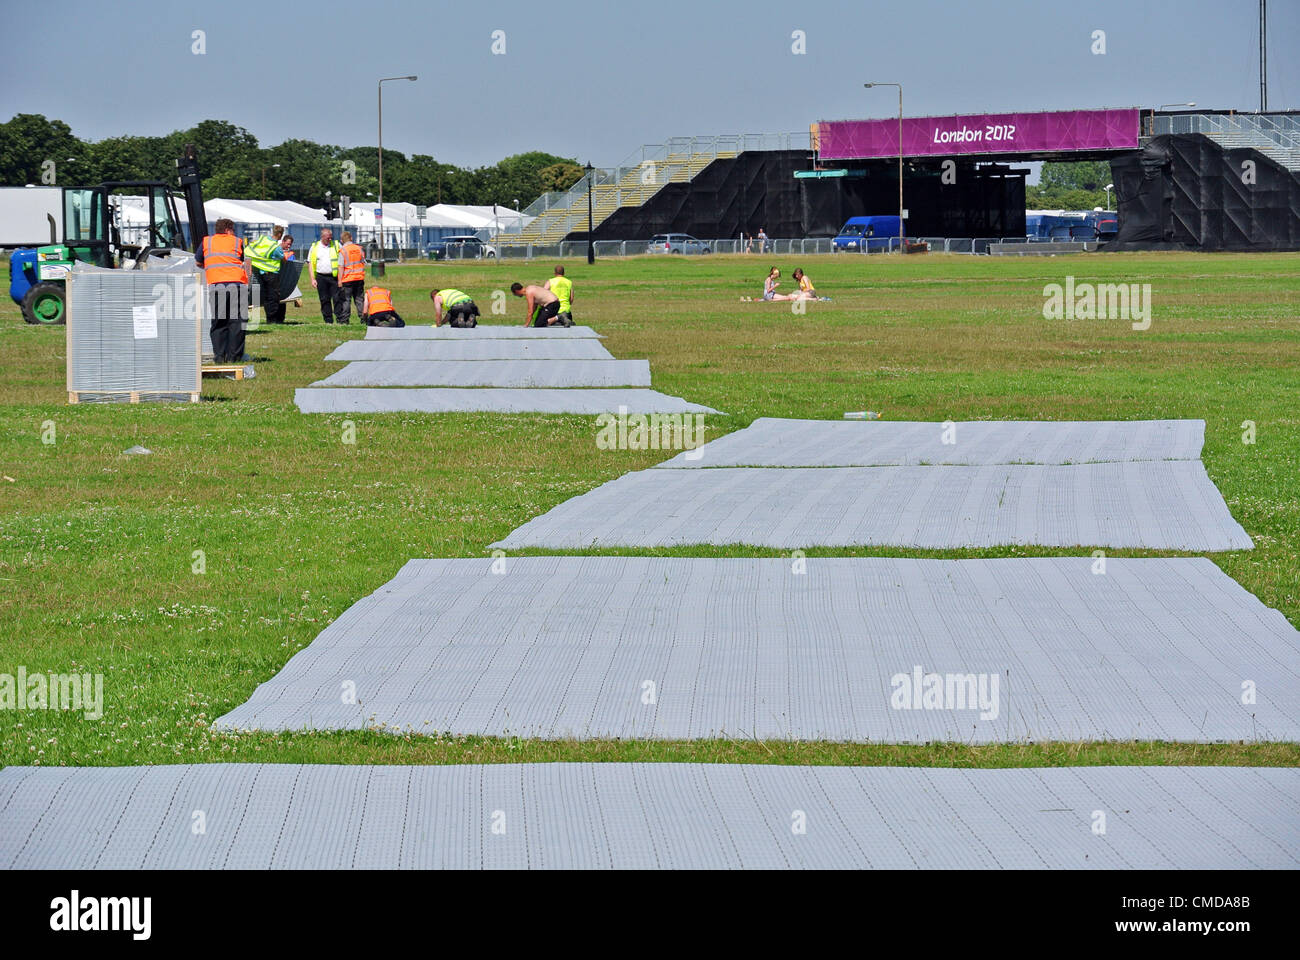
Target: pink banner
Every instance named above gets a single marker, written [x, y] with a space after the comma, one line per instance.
[981, 133]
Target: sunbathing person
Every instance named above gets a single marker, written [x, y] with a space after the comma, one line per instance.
[806, 290]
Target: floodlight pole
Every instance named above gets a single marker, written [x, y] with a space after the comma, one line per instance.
[591, 216]
[900, 154]
[381, 164]
[1263, 56]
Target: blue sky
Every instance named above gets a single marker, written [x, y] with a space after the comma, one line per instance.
[597, 80]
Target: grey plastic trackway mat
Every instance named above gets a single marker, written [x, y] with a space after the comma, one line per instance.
[498, 332]
[839, 443]
[647, 816]
[489, 400]
[1166, 505]
[500, 349]
[690, 648]
[491, 373]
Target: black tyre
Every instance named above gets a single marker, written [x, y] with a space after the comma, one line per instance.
[45, 304]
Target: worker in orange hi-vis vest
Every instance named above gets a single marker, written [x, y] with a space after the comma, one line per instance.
[379, 309]
[352, 279]
[226, 270]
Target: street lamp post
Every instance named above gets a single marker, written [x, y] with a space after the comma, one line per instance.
[900, 154]
[380, 271]
[274, 166]
[1109, 188]
[591, 216]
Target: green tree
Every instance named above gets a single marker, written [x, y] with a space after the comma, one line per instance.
[306, 170]
[560, 176]
[220, 145]
[28, 140]
[233, 162]
[1083, 175]
[129, 158]
[1070, 186]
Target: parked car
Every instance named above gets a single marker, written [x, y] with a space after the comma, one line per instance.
[677, 243]
[864, 234]
[468, 247]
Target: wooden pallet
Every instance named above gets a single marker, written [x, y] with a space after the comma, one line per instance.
[231, 371]
[74, 396]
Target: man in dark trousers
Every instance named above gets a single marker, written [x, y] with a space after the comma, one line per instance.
[226, 270]
[323, 262]
[266, 255]
[352, 279]
[543, 307]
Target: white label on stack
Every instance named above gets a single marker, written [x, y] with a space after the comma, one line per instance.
[146, 322]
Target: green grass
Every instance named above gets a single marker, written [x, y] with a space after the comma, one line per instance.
[96, 548]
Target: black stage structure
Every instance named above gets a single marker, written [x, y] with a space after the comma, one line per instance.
[1175, 190]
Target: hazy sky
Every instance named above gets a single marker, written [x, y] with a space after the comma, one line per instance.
[597, 80]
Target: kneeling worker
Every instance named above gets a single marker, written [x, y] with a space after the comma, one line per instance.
[562, 287]
[379, 310]
[543, 306]
[461, 311]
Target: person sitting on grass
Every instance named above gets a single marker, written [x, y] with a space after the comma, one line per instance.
[379, 309]
[462, 312]
[543, 307]
[806, 290]
[769, 288]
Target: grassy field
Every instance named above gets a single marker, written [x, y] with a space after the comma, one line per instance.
[97, 548]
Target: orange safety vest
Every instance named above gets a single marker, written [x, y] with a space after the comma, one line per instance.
[223, 259]
[352, 263]
[378, 300]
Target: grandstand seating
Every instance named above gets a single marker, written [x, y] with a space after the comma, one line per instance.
[628, 185]
[1277, 136]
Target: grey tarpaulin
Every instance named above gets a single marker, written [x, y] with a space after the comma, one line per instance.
[491, 373]
[488, 399]
[555, 647]
[839, 443]
[646, 816]
[1158, 504]
[497, 349]
[481, 332]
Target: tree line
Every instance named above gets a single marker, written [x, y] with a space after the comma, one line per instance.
[37, 150]
[1080, 185]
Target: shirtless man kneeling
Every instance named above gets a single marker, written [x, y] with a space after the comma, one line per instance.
[543, 306]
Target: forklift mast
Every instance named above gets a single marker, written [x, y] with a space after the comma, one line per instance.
[187, 169]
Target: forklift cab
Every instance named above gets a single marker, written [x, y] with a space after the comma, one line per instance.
[113, 223]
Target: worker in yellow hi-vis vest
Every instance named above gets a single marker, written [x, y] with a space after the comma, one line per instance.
[323, 264]
[562, 287]
[460, 309]
[266, 254]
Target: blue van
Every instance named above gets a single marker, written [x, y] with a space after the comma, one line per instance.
[864, 234]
